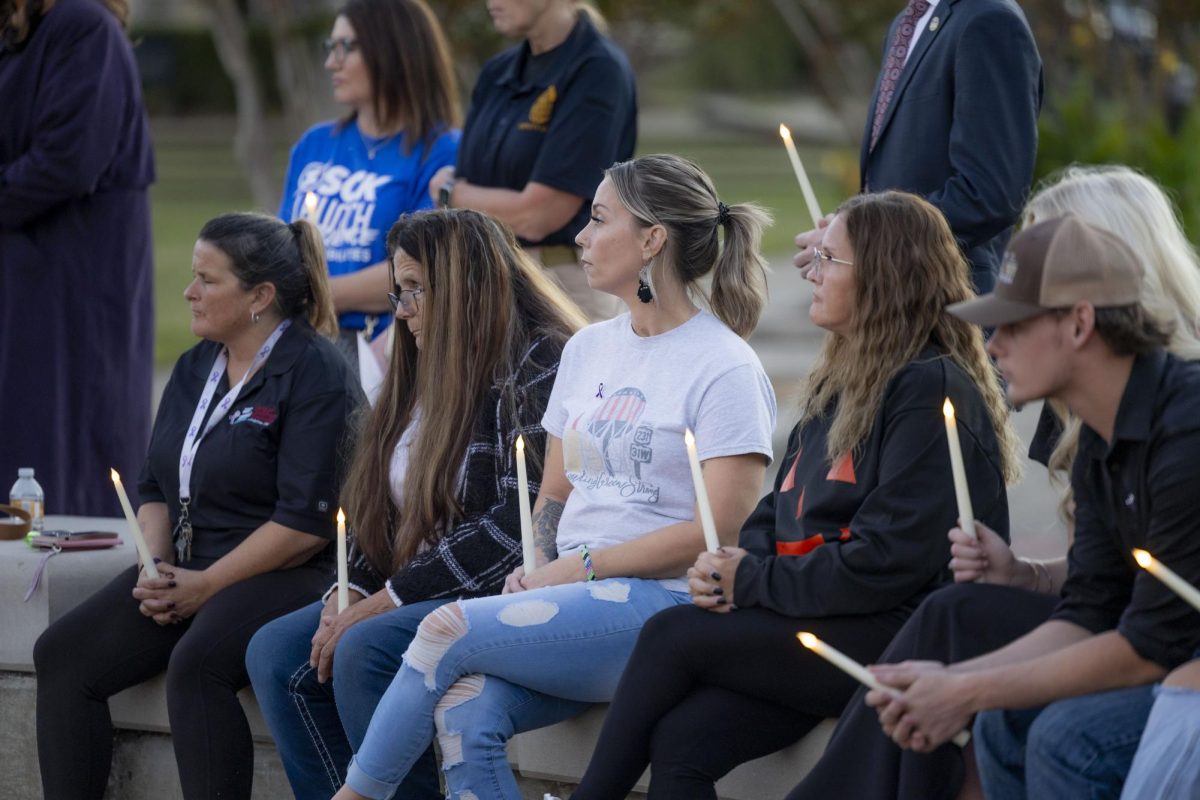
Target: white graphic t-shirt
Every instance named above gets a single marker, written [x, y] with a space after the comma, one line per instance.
[620, 405]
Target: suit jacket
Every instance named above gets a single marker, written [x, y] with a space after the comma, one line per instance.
[961, 130]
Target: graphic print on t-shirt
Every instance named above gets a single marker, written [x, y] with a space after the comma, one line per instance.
[345, 205]
[608, 447]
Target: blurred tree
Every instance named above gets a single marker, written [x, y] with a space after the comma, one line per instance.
[251, 144]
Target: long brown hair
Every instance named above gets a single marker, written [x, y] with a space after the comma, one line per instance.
[484, 305]
[908, 268]
[673, 192]
[16, 22]
[408, 59]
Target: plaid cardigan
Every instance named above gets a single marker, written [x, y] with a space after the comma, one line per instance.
[478, 551]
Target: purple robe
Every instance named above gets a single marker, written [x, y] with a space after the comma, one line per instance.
[76, 264]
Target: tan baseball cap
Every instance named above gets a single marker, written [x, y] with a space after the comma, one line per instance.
[1056, 264]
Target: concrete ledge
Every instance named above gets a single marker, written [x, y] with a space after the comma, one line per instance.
[561, 753]
[548, 760]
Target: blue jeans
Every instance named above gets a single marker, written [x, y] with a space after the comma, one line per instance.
[483, 668]
[1079, 748]
[315, 734]
[1167, 764]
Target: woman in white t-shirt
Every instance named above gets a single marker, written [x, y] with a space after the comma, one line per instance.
[615, 520]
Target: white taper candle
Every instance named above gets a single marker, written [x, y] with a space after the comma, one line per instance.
[135, 529]
[966, 516]
[528, 554]
[706, 518]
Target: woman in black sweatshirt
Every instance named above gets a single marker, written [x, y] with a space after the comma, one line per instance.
[853, 535]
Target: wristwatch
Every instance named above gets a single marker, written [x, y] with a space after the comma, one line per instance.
[445, 191]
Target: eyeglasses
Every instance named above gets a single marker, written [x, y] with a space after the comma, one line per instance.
[820, 259]
[405, 299]
[339, 48]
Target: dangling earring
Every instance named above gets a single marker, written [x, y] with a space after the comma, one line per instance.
[643, 293]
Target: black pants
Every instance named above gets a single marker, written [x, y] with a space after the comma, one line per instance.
[704, 692]
[953, 624]
[105, 645]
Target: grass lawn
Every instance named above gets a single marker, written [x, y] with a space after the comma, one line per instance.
[198, 178]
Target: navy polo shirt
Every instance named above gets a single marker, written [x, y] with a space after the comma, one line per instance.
[560, 119]
[278, 454]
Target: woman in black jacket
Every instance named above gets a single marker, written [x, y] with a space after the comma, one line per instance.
[854, 533]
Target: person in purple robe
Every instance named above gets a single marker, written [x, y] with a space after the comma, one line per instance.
[76, 268]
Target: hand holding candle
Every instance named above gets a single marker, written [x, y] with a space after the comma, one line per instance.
[706, 519]
[134, 528]
[966, 516]
[858, 672]
[1175, 583]
[810, 199]
[343, 587]
[310, 207]
[528, 554]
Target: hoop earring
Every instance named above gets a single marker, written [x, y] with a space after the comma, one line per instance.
[643, 292]
[255, 317]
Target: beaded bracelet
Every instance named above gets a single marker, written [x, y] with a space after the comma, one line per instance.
[588, 569]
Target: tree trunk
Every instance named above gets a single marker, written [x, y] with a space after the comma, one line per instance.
[299, 73]
[251, 143]
[828, 58]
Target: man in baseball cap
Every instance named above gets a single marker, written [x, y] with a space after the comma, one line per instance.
[1062, 707]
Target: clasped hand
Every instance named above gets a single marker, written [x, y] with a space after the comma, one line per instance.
[175, 595]
[931, 704]
[711, 579]
[567, 569]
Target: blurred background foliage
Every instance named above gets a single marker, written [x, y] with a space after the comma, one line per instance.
[715, 79]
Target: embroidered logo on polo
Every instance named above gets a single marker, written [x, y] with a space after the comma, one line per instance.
[262, 416]
[1008, 269]
[609, 449]
[541, 111]
[345, 207]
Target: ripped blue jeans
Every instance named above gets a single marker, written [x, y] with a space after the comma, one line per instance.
[480, 670]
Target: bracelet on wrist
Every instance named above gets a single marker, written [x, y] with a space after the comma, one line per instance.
[588, 570]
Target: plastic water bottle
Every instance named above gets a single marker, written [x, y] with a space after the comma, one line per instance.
[27, 493]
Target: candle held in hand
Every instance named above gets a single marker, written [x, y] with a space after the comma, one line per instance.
[310, 207]
[966, 516]
[858, 672]
[343, 567]
[1175, 583]
[810, 198]
[706, 518]
[134, 528]
[528, 554]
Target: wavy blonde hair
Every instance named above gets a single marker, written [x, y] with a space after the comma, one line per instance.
[1130, 205]
[907, 269]
[484, 303]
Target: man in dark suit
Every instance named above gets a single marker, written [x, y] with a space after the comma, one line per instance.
[954, 119]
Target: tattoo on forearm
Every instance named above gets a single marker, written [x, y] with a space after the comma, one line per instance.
[545, 528]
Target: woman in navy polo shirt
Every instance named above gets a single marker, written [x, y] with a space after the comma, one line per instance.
[547, 117]
[238, 495]
[391, 69]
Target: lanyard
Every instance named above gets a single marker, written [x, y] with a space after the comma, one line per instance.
[191, 442]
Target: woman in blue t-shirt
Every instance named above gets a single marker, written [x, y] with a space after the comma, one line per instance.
[354, 176]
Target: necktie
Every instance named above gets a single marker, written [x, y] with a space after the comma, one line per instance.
[894, 63]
